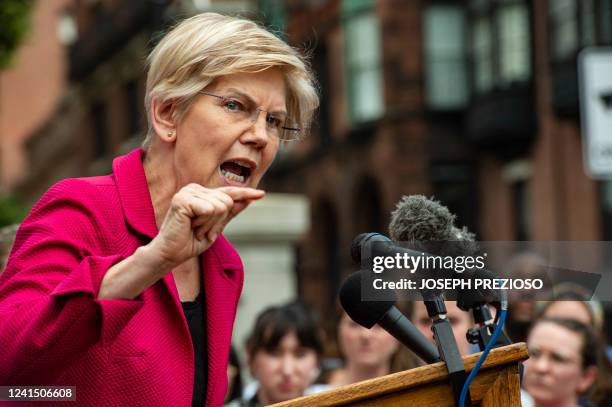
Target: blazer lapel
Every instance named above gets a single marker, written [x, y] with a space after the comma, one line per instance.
[223, 278]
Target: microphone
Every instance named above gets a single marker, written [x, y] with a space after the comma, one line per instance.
[365, 241]
[416, 219]
[385, 314]
[420, 219]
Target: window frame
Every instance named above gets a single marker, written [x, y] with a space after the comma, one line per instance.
[351, 10]
[489, 9]
[463, 58]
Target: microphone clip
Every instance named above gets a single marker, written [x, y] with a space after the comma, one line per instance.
[447, 346]
[482, 333]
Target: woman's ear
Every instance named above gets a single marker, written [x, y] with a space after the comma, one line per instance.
[588, 378]
[163, 119]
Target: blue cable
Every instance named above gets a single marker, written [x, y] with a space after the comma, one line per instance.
[485, 353]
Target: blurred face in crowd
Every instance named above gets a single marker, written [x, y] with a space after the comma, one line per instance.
[360, 346]
[522, 311]
[576, 310]
[285, 371]
[554, 374]
[460, 322]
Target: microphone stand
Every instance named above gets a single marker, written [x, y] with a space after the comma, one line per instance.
[481, 334]
[447, 345]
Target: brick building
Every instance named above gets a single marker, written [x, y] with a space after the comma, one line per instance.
[31, 88]
[100, 113]
[474, 102]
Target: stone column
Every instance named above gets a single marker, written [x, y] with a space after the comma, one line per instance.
[265, 235]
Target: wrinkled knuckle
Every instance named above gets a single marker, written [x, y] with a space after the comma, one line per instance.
[178, 200]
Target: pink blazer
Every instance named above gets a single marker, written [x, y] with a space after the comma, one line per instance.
[53, 329]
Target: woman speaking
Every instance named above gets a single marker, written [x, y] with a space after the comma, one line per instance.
[123, 285]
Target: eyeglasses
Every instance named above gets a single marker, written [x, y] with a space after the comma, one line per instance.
[245, 111]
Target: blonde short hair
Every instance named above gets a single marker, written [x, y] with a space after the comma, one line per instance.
[209, 45]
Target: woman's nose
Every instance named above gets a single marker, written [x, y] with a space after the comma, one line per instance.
[365, 333]
[257, 134]
[288, 365]
[540, 364]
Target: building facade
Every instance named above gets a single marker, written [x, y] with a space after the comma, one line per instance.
[472, 102]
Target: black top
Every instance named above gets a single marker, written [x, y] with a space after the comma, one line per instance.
[195, 314]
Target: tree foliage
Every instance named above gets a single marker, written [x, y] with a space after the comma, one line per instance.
[14, 24]
[12, 210]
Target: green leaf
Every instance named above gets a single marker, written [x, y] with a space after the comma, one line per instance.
[14, 25]
[12, 210]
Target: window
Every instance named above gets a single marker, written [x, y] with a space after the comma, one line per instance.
[588, 25]
[574, 25]
[482, 40]
[514, 44]
[500, 43]
[564, 39]
[518, 174]
[446, 76]
[362, 51]
[606, 21]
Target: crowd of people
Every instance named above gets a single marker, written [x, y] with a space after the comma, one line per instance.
[287, 349]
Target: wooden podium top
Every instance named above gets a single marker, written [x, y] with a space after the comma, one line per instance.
[496, 384]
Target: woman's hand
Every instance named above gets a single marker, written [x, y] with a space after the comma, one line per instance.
[196, 216]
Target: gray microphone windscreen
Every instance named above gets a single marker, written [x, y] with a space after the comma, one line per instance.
[419, 219]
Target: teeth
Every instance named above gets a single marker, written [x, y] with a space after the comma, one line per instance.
[242, 164]
[232, 176]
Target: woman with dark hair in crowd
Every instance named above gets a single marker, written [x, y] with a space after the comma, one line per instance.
[365, 353]
[283, 352]
[562, 364]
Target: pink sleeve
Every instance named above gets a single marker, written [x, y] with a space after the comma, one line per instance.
[49, 314]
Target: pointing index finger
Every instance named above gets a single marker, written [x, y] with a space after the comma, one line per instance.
[242, 193]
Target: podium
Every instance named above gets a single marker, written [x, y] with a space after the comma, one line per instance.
[496, 384]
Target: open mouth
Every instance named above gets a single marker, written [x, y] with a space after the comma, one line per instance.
[237, 171]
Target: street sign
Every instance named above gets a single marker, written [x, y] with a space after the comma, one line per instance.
[595, 82]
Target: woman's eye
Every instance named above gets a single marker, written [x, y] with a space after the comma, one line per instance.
[559, 359]
[274, 352]
[233, 105]
[273, 121]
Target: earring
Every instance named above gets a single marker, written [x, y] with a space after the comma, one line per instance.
[170, 133]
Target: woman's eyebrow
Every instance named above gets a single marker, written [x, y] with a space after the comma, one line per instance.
[252, 102]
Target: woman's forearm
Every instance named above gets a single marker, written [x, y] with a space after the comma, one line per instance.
[130, 277]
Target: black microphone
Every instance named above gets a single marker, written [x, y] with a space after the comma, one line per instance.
[385, 314]
[365, 241]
